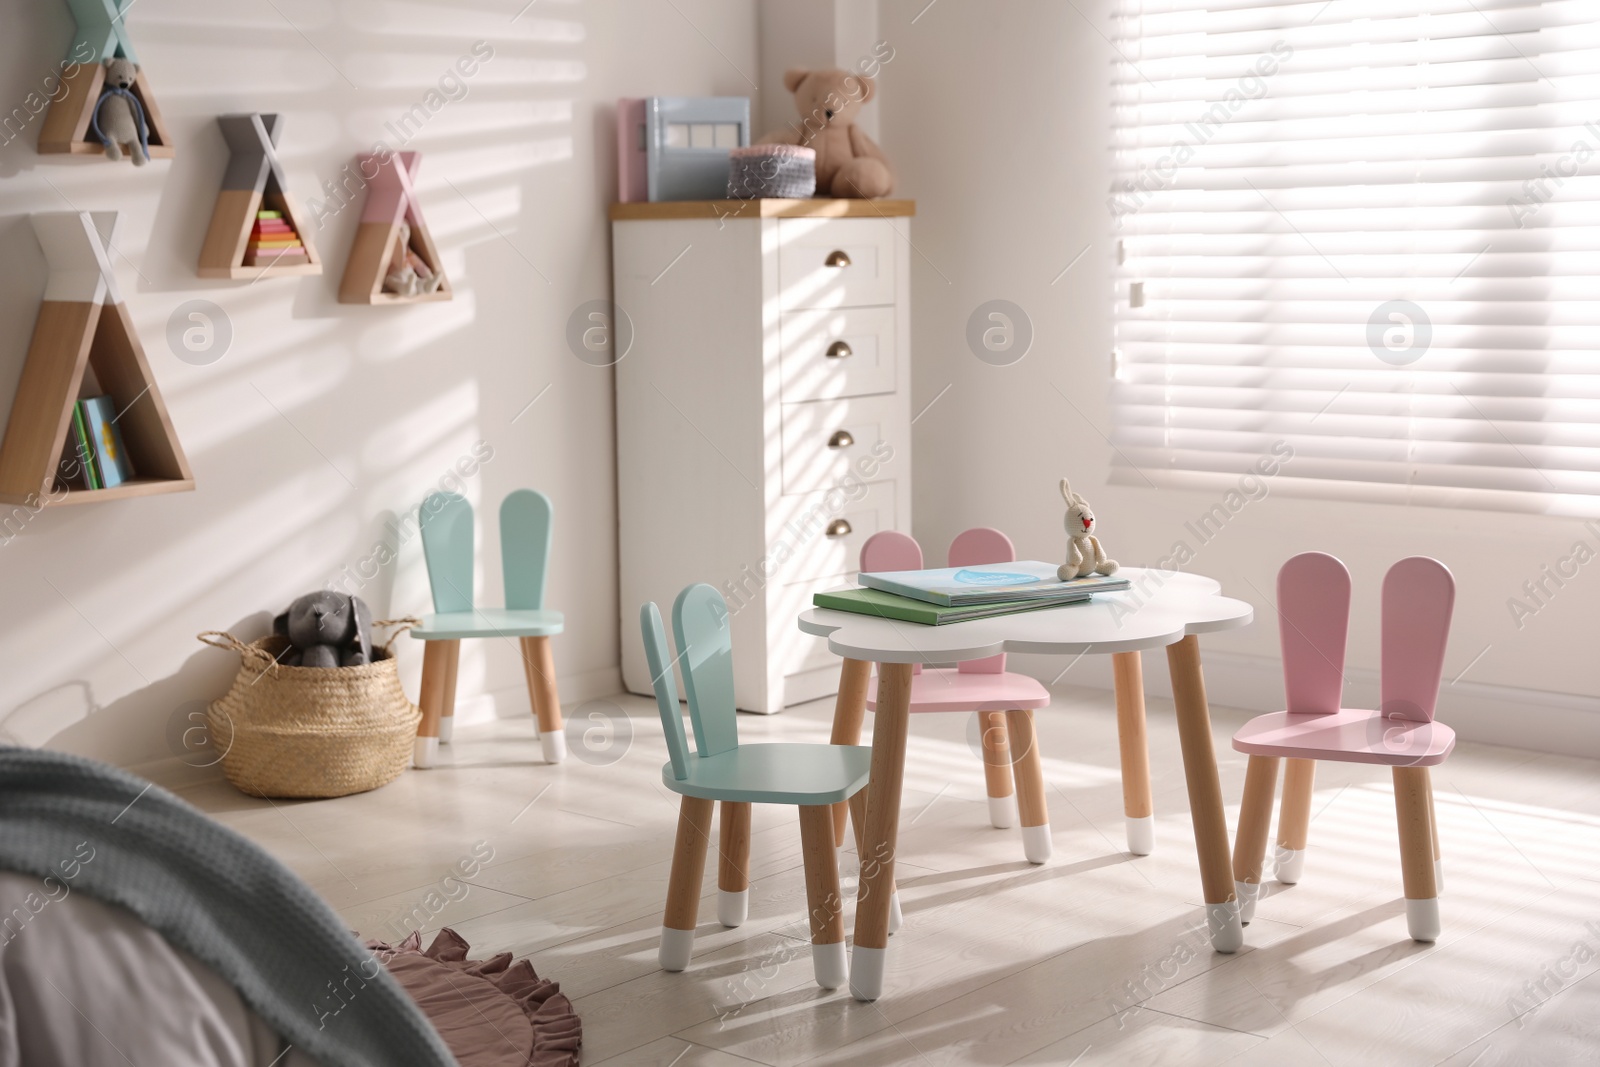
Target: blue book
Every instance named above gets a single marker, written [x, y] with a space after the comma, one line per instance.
[105, 437]
[990, 583]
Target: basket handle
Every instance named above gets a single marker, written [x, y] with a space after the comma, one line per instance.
[402, 624]
[223, 640]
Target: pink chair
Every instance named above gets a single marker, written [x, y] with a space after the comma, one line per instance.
[1004, 702]
[1313, 616]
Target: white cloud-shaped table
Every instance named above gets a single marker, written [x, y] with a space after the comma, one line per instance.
[1161, 609]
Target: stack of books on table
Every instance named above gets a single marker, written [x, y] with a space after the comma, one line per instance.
[95, 457]
[959, 594]
[273, 243]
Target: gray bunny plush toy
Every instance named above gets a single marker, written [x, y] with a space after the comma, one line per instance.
[327, 629]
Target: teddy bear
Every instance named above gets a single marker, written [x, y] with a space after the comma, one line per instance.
[118, 115]
[408, 275]
[1084, 554]
[849, 163]
[327, 629]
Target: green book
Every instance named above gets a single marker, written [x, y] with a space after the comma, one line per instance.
[904, 609]
[83, 446]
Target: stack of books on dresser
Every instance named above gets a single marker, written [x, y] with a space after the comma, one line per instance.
[960, 594]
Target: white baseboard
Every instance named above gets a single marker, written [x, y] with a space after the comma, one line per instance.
[1566, 724]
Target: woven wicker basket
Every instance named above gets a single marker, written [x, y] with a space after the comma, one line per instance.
[311, 731]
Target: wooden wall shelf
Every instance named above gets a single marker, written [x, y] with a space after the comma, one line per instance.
[391, 202]
[102, 34]
[83, 326]
[253, 182]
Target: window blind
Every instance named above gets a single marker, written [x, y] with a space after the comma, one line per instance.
[1366, 230]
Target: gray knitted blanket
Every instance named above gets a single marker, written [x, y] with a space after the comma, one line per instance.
[217, 896]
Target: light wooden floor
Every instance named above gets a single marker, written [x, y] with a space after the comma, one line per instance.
[1094, 958]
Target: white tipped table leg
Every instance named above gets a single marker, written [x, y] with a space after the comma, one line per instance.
[866, 972]
[554, 746]
[1002, 812]
[1291, 865]
[733, 908]
[1422, 919]
[1141, 835]
[1028, 769]
[1037, 845]
[447, 730]
[676, 948]
[831, 965]
[423, 752]
[1225, 926]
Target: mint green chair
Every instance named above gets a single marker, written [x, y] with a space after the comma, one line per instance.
[813, 777]
[446, 523]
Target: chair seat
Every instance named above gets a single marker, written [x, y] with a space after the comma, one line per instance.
[1349, 735]
[782, 773]
[489, 622]
[947, 689]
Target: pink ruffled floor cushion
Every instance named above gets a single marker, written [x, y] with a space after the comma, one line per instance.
[491, 1013]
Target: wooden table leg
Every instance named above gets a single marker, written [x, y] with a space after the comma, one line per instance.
[438, 698]
[540, 667]
[826, 908]
[1255, 822]
[883, 826]
[1205, 794]
[1138, 803]
[849, 709]
[858, 820]
[733, 864]
[1411, 788]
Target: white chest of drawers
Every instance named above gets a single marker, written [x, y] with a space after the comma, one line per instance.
[763, 416]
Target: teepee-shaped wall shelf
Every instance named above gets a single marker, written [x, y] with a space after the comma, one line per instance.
[391, 203]
[257, 230]
[84, 330]
[102, 35]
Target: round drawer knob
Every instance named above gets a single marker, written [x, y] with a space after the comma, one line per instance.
[839, 350]
[836, 258]
[841, 439]
[838, 528]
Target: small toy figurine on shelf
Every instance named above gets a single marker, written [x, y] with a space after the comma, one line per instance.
[118, 117]
[409, 274]
[1084, 554]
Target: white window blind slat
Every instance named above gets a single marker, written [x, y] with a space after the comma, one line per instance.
[1366, 232]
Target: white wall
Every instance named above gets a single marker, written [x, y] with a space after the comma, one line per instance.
[322, 420]
[996, 118]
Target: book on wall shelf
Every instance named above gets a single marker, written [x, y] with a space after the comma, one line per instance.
[109, 455]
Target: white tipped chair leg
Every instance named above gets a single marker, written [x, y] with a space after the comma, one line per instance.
[1141, 835]
[866, 972]
[896, 916]
[1003, 812]
[1036, 843]
[1291, 865]
[1225, 926]
[424, 752]
[676, 948]
[733, 908]
[447, 730]
[1422, 919]
[831, 964]
[554, 745]
[1248, 893]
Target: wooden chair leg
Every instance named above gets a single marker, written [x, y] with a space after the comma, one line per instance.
[683, 884]
[1255, 821]
[1438, 857]
[1028, 767]
[858, 820]
[849, 709]
[540, 666]
[997, 767]
[1138, 804]
[1294, 819]
[1411, 787]
[733, 864]
[447, 711]
[438, 698]
[825, 906]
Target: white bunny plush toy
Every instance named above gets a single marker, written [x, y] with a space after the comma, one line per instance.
[1084, 554]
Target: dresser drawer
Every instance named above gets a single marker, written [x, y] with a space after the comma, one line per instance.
[842, 352]
[827, 442]
[824, 263]
[823, 532]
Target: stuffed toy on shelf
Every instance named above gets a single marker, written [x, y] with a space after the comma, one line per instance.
[849, 163]
[118, 117]
[1084, 554]
[408, 273]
